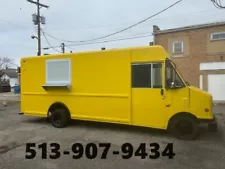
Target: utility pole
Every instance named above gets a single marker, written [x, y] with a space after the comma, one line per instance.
[39, 28]
[37, 19]
[63, 47]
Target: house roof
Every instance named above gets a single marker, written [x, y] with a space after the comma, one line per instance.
[12, 73]
[189, 27]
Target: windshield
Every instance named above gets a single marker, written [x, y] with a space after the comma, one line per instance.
[172, 76]
[180, 73]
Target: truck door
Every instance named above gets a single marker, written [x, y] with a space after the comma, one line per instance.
[148, 102]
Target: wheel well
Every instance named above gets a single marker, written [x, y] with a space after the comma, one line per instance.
[57, 105]
[181, 114]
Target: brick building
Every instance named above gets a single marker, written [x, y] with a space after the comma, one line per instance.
[199, 53]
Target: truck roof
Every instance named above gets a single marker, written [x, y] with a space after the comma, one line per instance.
[155, 49]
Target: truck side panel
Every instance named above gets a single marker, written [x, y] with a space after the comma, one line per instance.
[100, 87]
[101, 83]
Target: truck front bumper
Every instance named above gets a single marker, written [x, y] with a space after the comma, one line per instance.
[212, 124]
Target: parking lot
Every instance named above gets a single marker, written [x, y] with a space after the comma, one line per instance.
[15, 131]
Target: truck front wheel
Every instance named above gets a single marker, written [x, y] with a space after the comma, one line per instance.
[59, 117]
[184, 127]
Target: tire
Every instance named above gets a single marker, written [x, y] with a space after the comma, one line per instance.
[184, 128]
[59, 117]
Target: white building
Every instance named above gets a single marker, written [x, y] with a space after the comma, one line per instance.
[11, 75]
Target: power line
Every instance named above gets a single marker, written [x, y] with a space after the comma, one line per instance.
[122, 30]
[59, 40]
[91, 27]
[113, 40]
[94, 26]
[218, 4]
[215, 4]
[46, 39]
[69, 48]
[134, 36]
[13, 24]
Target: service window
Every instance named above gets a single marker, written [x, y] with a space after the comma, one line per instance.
[58, 72]
[147, 75]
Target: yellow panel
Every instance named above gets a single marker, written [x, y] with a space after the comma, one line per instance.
[155, 53]
[102, 73]
[201, 100]
[178, 101]
[148, 108]
[101, 87]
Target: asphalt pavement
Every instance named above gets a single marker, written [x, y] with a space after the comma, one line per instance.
[208, 152]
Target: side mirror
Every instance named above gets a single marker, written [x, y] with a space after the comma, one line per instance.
[172, 85]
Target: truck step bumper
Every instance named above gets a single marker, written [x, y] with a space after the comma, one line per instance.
[212, 125]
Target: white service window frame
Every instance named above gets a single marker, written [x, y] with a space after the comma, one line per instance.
[182, 47]
[67, 82]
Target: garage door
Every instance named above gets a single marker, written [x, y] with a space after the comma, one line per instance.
[216, 86]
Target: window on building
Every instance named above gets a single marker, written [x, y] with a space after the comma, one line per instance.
[58, 71]
[178, 47]
[218, 36]
[147, 75]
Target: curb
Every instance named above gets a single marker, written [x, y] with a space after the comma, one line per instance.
[9, 100]
[6, 102]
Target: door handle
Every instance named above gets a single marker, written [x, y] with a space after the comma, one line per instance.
[162, 93]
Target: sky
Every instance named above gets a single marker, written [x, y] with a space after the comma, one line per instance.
[82, 20]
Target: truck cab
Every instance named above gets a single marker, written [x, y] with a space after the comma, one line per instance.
[194, 106]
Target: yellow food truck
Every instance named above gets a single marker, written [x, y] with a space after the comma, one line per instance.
[134, 86]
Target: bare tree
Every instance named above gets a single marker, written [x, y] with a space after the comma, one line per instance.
[5, 62]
